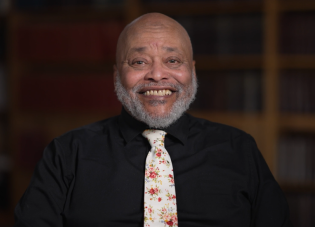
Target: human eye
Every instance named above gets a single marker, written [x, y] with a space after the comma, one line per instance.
[138, 62]
[173, 61]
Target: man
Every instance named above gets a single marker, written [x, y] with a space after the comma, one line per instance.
[97, 175]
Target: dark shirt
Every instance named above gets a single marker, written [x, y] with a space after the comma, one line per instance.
[94, 176]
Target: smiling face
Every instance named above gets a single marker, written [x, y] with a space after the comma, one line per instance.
[155, 71]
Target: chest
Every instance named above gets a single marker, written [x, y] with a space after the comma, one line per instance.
[211, 189]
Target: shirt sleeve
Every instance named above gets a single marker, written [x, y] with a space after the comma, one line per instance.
[269, 205]
[43, 201]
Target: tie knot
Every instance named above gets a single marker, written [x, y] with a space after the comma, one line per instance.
[155, 137]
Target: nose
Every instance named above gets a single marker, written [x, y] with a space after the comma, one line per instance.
[157, 72]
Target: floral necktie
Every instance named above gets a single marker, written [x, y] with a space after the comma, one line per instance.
[159, 187]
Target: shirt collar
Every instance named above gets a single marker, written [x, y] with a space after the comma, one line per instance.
[131, 127]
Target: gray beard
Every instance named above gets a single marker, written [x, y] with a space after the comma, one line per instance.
[185, 96]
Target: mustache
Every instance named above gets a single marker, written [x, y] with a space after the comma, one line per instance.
[138, 87]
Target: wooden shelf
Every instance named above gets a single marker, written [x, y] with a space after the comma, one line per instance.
[294, 5]
[297, 62]
[202, 7]
[298, 188]
[297, 122]
[204, 62]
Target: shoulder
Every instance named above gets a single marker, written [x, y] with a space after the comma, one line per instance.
[221, 139]
[215, 130]
[69, 149]
[88, 133]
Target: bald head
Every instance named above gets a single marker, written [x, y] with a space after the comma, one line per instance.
[153, 23]
[154, 74]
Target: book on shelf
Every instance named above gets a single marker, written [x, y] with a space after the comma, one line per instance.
[229, 91]
[297, 93]
[68, 93]
[68, 42]
[302, 209]
[224, 34]
[202, 32]
[296, 159]
[44, 4]
[297, 33]
[253, 91]
[235, 91]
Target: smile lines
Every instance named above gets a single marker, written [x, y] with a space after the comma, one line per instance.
[158, 92]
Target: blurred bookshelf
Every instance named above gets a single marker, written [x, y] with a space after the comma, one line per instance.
[254, 60]
[5, 160]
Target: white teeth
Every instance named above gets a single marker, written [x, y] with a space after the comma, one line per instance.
[168, 92]
[158, 92]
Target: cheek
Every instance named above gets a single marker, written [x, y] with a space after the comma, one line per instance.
[183, 77]
[130, 79]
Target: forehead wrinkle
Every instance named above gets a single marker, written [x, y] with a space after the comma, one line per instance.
[164, 48]
[138, 49]
[171, 49]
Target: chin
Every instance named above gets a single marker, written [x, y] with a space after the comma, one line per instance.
[157, 112]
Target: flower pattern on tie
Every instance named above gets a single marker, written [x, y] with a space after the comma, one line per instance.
[160, 198]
